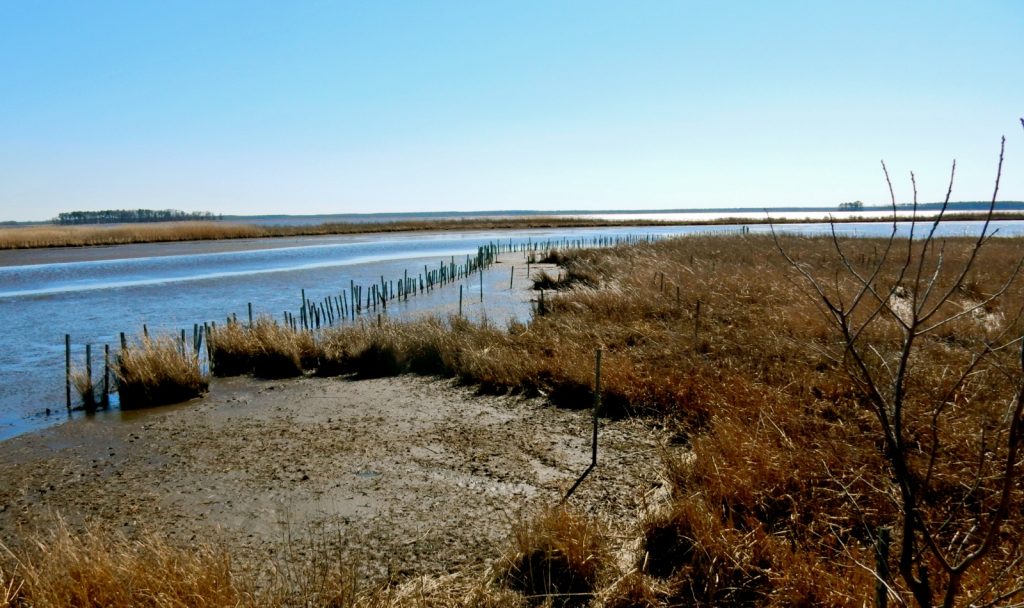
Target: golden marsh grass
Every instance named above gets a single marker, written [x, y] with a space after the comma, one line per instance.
[158, 371]
[776, 478]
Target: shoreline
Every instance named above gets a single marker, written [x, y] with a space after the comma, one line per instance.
[192, 233]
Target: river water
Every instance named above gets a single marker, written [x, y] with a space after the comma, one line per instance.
[93, 294]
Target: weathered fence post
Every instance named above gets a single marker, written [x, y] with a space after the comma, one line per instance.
[593, 441]
[106, 375]
[67, 367]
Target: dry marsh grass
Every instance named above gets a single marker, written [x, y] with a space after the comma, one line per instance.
[157, 371]
[95, 568]
[718, 338]
[266, 349]
[557, 555]
[50, 235]
[778, 480]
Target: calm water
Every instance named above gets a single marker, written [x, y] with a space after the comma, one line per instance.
[170, 289]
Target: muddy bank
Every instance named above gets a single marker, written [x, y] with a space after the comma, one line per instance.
[401, 475]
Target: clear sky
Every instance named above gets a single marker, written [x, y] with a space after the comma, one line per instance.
[340, 107]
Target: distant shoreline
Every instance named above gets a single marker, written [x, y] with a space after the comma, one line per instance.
[48, 236]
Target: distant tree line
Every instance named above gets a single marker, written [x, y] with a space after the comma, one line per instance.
[127, 216]
[852, 206]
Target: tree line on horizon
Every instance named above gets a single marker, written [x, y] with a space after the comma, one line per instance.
[126, 216]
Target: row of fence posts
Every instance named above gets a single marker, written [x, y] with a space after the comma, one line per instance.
[87, 390]
[350, 304]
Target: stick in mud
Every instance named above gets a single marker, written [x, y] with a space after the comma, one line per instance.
[593, 441]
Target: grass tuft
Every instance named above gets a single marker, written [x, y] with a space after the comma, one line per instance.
[158, 371]
[99, 568]
[556, 556]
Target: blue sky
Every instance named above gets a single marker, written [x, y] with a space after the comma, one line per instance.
[336, 107]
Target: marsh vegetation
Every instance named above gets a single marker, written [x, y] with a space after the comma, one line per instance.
[779, 479]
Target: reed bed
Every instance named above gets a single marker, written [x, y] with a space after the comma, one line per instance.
[157, 371]
[52, 235]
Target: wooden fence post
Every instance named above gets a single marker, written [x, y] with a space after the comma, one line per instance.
[67, 368]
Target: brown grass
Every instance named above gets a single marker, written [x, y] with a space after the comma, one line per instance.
[157, 371]
[266, 349]
[49, 235]
[52, 235]
[776, 481]
[97, 568]
[787, 476]
[556, 556]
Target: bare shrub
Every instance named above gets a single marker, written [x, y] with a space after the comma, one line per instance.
[928, 332]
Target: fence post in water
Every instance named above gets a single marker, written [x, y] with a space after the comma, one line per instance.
[511, 277]
[88, 395]
[481, 273]
[67, 367]
[106, 375]
[460, 300]
[250, 315]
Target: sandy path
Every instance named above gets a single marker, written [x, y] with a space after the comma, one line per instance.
[403, 475]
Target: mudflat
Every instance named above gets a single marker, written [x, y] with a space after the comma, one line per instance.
[402, 475]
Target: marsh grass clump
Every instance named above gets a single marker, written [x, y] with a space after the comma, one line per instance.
[85, 388]
[98, 568]
[266, 349]
[158, 371]
[557, 556]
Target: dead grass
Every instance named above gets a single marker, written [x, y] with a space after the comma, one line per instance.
[556, 556]
[716, 338]
[776, 484]
[50, 235]
[97, 568]
[158, 371]
[266, 349]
